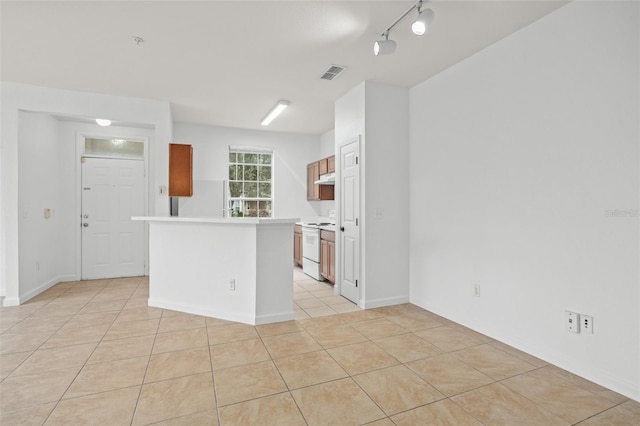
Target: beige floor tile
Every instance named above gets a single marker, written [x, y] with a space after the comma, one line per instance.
[381, 422]
[88, 320]
[633, 406]
[121, 330]
[274, 410]
[39, 325]
[35, 389]
[299, 314]
[360, 315]
[309, 369]
[35, 415]
[448, 374]
[238, 353]
[174, 398]
[336, 335]
[107, 376]
[407, 347]
[448, 339]
[11, 343]
[103, 306]
[378, 328]
[561, 397]
[339, 402]
[179, 340]
[74, 336]
[616, 416]
[321, 322]
[311, 285]
[113, 407]
[113, 350]
[519, 354]
[497, 404]
[55, 309]
[322, 293]
[290, 344]
[9, 362]
[237, 384]
[344, 308]
[586, 384]
[361, 357]
[414, 321]
[333, 300]
[442, 413]
[231, 333]
[170, 365]
[303, 294]
[181, 323]
[55, 359]
[396, 389]
[279, 328]
[137, 302]
[214, 322]
[309, 303]
[320, 311]
[493, 362]
[138, 314]
[205, 418]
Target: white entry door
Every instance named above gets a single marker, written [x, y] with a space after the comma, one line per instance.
[349, 220]
[112, 192]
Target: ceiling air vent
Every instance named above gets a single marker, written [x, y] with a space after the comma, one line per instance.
[332, 72]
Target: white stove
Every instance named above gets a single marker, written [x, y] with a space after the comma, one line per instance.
[311, 248]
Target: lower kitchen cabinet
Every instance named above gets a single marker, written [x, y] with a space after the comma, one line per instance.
[328, 255]
[297, 245]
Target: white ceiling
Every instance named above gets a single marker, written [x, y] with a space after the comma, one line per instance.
[226, 63]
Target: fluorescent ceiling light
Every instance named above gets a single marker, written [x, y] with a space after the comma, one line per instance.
[422, 23]
[275, 111]
[103, 122]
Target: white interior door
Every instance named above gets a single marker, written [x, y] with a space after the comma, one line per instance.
[112, 192]
[349, 220]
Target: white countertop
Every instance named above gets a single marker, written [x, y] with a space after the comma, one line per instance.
[219, 220]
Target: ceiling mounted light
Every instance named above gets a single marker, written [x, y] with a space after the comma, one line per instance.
[275, 111]
[103, 122]
[384, 47]
[419, 27]
[422, 23]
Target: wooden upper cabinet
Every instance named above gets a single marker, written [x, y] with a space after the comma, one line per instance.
[331, 164]
[315, 191]
[322, 166]
[180, 170]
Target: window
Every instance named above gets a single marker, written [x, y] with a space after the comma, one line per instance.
[120, 148]
[250, 183]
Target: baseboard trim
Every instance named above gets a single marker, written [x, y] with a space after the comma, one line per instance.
[387, 301]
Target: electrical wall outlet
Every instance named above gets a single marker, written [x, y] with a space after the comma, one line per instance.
[232, 285]
[476, 290]
[586, 323]
[573, 321]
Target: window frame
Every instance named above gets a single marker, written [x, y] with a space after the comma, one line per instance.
[242, 203]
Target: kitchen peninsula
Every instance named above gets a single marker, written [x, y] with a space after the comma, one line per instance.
[237, 269]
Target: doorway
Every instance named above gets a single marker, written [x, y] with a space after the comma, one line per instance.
[112, 191]
[349, 157]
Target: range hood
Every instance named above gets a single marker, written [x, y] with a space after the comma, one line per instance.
[327, 179]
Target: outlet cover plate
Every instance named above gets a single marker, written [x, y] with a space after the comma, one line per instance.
[572, 320]
[586, 323]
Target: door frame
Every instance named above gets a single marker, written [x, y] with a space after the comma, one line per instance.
[338, 247]
[80, 137]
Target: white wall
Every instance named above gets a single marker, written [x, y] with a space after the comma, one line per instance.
[379, 114]
[20, 97]
[519, 155]
[292, 153]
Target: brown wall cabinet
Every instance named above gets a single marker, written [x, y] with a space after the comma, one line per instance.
[315, 191]
[297, 245]
[328, 255]
[180, 170]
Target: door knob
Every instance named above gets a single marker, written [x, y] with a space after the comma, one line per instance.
[342, 228]
[85, 224]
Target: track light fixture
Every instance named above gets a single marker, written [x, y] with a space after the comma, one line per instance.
[419, 26]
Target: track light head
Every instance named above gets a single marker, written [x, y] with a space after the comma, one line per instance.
[384, 47]
[423, 22]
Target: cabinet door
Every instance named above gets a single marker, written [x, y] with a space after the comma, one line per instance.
[322, 167]
[332, 261]
[324, 258]
[313, 174]
[180, 170]
[297, 248]
[331, 164]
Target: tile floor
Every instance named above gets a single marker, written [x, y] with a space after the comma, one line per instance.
[93, 353]
[313, 299]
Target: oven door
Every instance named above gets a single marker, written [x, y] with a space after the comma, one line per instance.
[311, 243]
